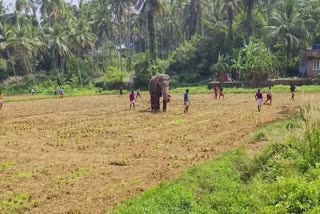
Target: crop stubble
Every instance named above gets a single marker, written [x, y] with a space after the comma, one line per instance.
[87, 154]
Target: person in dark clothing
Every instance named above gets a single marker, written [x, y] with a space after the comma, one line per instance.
[259, 99]
[186, 101]
[221, 94]
[292, 89]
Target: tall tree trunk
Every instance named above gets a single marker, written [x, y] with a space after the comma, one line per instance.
[230, 23]
[120, 50]
[249, 17]
[12, 65]
[79, 72]
[288, 52]
[193, 18]
[152, 36]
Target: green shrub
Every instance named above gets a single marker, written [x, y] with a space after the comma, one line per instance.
[112, 79]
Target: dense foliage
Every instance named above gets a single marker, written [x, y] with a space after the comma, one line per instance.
[197, 39]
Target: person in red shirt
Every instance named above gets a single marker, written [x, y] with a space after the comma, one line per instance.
[215, 89]
[132, 100]
[259, 99]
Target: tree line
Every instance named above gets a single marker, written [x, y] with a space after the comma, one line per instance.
[189, 39]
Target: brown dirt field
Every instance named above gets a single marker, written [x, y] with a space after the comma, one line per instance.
[87, 154]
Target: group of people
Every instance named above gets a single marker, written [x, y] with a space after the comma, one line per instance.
[259, 96]
[132, 97]
[61, 92]
[218, 90]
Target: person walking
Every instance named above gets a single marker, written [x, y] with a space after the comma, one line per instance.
[138, 94]
[132, 100]
[62, 92]
[221, 94]
[259, 99]
[293, 90]
[186, 101]
[215, 89]
[1, 100]
[120, 91]
[269, 96]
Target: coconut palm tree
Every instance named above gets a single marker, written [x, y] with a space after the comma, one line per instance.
[230, 7]
[151, 9]
[249, 6]
[287, 25]
[19, 43]
[50, 9]
[82, 37]
[57, 40]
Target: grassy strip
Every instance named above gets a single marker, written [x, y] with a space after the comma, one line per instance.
[282, 179]
[275, 89]
[28, 97]
[193, 90]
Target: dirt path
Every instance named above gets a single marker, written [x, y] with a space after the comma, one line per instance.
[88, 154]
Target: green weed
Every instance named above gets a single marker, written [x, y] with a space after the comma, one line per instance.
[6, 166]
[282, 179]
[17, 203]
[73, 177]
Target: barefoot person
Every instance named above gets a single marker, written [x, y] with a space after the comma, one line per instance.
[138, 94]
[215, 89]
[259, 99]
[1, 100]
[120, 91]
[61, 92]
[269, 96]
[221, 94]
[186, 101]
[292, 89]
[132, 100]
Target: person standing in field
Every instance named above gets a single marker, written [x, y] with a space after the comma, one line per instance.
[1, 100]
[32, 91]
[120, 91]
[138, 93]
[259, 99]
[292, 89]
[269, 96]
[186, 101]
[132, 100]
[62, 92]
[221, 94]
[215, 89]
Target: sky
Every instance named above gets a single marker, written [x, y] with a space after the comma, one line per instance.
[10, 3]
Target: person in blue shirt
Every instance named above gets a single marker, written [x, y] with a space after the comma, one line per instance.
[62, 92]
[186, 101]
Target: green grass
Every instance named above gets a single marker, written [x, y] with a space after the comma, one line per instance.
[275, 131]
[16, 203]
[275, 89]
[73, 176]
[284, 178]
[76, 92]
[6, 166]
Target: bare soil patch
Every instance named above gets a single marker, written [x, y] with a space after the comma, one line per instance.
[88, 154]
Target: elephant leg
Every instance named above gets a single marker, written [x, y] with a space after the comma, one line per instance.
[158, 104]
[153, 101]
[164, 106]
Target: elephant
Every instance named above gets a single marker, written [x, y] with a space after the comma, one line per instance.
[159, 86]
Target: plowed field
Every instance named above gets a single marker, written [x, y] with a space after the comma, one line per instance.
[87, 154]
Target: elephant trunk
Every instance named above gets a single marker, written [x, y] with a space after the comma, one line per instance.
[165, 101]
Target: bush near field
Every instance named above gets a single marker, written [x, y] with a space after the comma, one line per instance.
[282, 179]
